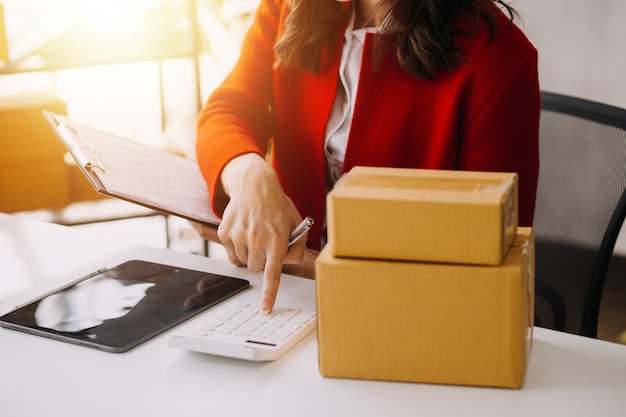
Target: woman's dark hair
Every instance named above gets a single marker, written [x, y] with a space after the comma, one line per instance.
[423, 44]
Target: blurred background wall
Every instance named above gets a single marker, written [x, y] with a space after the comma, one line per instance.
[582, 51]
[582, 46]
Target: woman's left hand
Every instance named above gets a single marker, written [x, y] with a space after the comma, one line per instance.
[306, 268]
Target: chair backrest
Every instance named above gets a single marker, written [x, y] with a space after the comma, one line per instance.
[581, 203]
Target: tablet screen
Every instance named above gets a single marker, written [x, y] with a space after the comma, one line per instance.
[119, 308]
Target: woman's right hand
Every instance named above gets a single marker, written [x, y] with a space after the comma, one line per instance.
[257, 222]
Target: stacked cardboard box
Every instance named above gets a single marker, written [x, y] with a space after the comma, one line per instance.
[426, 278]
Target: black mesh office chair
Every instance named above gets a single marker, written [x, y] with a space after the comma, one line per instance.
[581, 203]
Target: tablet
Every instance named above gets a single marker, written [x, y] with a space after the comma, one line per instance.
[116, 309]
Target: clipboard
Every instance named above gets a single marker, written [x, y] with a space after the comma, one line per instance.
[128, 170]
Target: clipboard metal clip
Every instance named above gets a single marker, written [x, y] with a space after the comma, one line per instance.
[78, 152]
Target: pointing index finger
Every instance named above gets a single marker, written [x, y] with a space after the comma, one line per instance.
[271, 282]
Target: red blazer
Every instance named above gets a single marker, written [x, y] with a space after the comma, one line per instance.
[482, 117]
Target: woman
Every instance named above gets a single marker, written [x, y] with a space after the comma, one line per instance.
[322, 86]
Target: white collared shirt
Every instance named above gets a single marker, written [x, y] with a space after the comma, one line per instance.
[338, 127]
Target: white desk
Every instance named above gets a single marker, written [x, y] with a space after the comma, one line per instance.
[567, 375]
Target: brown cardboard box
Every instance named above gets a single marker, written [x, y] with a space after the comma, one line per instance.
[423, 215]
[4, 47]
[427, 322]
[32, 186]
[33, 173]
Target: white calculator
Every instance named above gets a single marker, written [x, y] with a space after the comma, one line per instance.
[238, 330]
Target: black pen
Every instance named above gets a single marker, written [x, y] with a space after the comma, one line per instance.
[301, 230]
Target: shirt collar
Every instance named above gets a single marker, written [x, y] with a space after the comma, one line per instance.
[390, 24]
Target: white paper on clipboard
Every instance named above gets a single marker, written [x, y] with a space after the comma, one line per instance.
[131, 171]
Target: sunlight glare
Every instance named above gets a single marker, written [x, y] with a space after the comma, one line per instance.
[117, 13]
